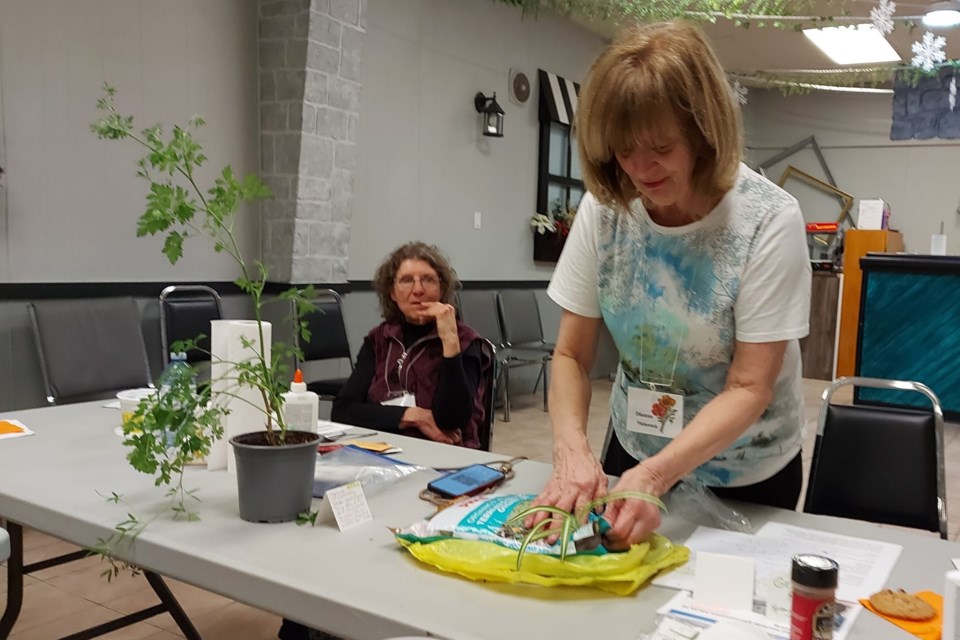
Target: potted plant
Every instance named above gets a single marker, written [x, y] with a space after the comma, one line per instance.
[180, 423]
[551, 231]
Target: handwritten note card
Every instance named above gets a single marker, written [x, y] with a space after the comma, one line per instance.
[349, 505]
[13, 429]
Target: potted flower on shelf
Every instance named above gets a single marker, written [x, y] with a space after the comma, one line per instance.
[551, 231]
[181, 422]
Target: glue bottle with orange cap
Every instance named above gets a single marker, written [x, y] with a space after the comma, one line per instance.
[301, 408]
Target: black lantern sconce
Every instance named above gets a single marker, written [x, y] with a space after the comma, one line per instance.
[491, 115]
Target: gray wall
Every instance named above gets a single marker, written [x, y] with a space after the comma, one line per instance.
[72, 200]
[915, 177]
[423, 168]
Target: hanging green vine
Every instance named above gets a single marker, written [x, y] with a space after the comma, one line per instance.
[777, 14]
[745, 12]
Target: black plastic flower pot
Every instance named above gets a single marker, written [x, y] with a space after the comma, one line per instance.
[275, 483]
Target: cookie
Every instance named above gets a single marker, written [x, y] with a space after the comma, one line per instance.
[900, 604]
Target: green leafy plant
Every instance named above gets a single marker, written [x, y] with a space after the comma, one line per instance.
[568, 522]
[180, 422]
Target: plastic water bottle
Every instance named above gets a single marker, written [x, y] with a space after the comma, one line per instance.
[176, 371]
[176, 368]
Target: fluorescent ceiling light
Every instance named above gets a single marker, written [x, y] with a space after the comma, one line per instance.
[942, 15]
[856, 44]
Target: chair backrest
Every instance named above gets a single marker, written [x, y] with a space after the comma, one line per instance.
[878, 463]
[328, 331]
[485, 432]
[520, 317]
[479, 310]
[185, 313]
[89, 348]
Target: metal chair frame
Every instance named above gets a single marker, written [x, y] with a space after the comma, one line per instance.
[170, 293]
[900, 385]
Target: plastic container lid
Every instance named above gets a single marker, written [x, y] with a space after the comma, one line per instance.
[814, 571]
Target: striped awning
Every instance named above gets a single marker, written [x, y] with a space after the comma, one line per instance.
[558, 98]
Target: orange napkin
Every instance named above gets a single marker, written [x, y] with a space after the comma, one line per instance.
[927, 629]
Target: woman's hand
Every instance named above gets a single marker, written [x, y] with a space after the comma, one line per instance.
[445, 315]
[422, 420]
[577, 479]
[631, 521]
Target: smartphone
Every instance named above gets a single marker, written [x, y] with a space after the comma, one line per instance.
[468, 481]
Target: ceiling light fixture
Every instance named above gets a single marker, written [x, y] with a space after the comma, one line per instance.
[942, 15]
[857, 44]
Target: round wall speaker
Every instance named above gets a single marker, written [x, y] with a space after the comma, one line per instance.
[519, 86]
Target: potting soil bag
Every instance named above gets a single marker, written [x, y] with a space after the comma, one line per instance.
[471, 539]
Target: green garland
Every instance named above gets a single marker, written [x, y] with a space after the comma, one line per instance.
[778, 14]
[620, 11]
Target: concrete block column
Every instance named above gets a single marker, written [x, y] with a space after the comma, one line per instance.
[309, 111]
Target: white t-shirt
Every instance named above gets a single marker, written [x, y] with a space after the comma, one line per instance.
[676, 300]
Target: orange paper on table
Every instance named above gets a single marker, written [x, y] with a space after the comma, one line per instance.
[8, 427]
[925, 629]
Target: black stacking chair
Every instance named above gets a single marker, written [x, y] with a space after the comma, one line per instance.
[880, 463]
[490, 396]
[186, 312]
[89, 348]
[328, 341]
[523, 334]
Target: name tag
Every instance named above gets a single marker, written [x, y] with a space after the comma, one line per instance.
[404, 399]
[654, 413]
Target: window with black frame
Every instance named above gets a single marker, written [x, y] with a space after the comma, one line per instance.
[559, 181]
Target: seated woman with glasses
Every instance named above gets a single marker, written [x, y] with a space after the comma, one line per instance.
[418, 372]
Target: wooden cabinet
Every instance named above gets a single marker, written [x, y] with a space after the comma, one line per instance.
[816, 350]
[857, 243]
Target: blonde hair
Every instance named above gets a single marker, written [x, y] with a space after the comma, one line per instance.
[650, 75]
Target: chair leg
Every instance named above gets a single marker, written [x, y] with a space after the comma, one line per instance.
[14, 580]
[546, 381]
[506, 393]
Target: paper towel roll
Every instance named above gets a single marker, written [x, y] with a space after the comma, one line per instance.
[938, 244]
[247, 411]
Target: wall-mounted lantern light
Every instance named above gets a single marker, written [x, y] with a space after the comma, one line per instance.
[491, 115]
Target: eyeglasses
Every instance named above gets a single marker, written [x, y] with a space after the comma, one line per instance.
[405, 283]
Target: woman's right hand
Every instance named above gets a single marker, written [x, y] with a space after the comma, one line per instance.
[422, 420]
[577, 479]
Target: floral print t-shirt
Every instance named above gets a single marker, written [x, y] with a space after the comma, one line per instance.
[676, 300]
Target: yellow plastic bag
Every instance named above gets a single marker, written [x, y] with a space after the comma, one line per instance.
[618, 573]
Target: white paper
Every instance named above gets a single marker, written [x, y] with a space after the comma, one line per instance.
[723, 581]
[681, 607]
[865, 564]
[674, 629]
[113, 404]
[870, 214]
[245, 403]
[956, 563]
[733, 630]
[349, 505]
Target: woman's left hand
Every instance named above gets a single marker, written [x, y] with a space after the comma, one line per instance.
[445, 315]
[631, 521]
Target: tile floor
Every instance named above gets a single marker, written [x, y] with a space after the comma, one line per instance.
[62, 600]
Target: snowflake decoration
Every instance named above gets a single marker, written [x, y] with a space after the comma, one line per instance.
[882, 16]
[739, 92]
[928, 52]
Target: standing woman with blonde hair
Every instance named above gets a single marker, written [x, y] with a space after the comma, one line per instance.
[698, 268]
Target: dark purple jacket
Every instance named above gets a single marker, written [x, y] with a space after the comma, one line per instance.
[418, 372]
